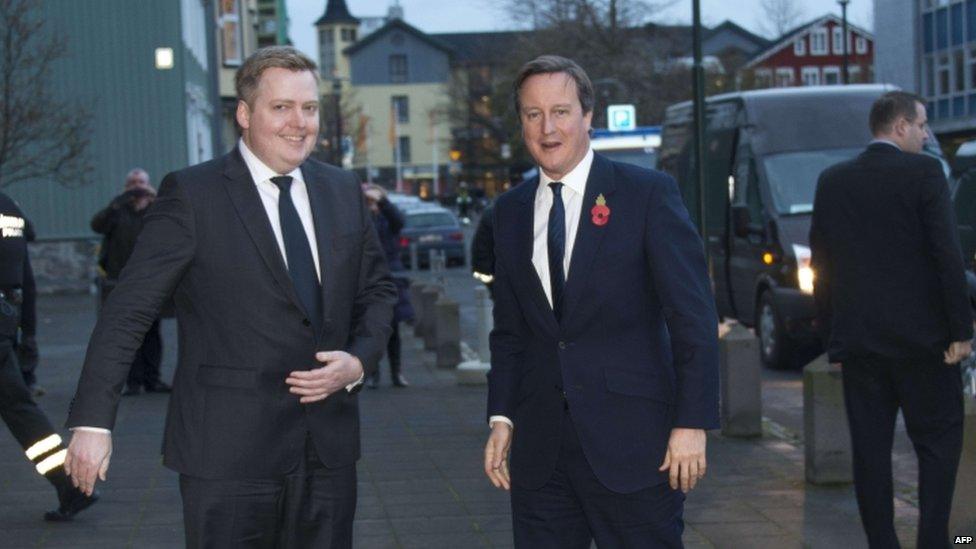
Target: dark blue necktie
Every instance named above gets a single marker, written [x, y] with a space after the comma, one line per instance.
[298, 253]
[557, 247]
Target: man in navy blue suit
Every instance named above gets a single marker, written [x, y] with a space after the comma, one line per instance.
[604, 366]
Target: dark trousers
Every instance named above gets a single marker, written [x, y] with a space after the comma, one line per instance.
[930, 397]
[144, 371]
[574, 508]
[312, 507]
[392, 353]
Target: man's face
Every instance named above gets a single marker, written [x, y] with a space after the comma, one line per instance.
[913, 134]
[554, 127]
[281, 125]
[136, 180]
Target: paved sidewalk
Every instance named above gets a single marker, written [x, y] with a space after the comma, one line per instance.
[420, 479]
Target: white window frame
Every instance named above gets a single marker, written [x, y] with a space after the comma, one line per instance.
[854, 74]
[810, 76]
[861, 44]
[821, 34]
[835, 70]
[782, 72]
[800, 46]
[764, 78]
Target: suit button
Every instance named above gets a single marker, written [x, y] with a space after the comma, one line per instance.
[562, 344]
[306, 322]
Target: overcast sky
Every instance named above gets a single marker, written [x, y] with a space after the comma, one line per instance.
[482, 15]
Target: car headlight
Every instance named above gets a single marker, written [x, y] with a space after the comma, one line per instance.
[804, 269]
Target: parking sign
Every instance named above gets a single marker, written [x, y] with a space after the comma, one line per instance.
[621, 118]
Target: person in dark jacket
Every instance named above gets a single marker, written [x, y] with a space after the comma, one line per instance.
[120, 223]
[890, 291]
[28, 424]
[388, 221]
[27, 354]
[483, 251]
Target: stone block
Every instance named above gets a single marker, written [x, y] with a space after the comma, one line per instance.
[741, 388]
[962, 522]
[827, 440]
[416, 299]
[473, 372]
[447, 333]
[428, 299]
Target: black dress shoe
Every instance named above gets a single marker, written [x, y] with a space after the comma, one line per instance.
[400, 381]
[158, 387]
[132, 390]
[72, 502]
[373, 383]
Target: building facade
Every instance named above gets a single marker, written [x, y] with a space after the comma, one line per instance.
[812, 55]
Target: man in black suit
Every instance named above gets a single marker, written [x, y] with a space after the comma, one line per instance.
[283, 301]
[891, 298]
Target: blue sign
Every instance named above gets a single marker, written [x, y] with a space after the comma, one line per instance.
[621, 118]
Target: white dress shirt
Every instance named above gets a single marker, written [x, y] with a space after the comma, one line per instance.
[572, 193]
[269, 192]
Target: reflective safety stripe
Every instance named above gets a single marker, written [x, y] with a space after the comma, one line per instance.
[43, 446]
[51, 462]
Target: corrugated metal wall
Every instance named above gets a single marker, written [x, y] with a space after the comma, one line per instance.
[139, 111]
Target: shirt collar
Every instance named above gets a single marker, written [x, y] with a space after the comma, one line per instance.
[575, 179]
[885, 142]
[259, 170]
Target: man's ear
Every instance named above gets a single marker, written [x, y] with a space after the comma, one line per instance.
[243, 114]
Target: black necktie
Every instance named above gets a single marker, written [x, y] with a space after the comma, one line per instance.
[557, 247]
[298, 253]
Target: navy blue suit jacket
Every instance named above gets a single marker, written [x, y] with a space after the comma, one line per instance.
[636, 352]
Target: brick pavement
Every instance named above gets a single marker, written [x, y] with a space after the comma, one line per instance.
[420, 480]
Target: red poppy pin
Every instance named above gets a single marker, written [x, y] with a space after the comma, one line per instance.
[600, 212]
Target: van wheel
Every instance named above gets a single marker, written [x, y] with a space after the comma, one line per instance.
[775, 346]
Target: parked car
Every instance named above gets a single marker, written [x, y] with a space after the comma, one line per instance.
[431, 228]
[765, 151]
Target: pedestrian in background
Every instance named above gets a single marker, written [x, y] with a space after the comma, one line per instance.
[27, 354]
[893, 307]
[120, 223]
[483, 251]
[388, 220]
[29, 425]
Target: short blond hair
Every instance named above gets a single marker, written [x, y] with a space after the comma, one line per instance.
[283, 57]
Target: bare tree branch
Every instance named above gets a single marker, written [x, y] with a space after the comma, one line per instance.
[41, 135]
[780, 16]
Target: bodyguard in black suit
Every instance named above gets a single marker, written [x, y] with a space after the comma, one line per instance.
[283, 301]
[891, 298]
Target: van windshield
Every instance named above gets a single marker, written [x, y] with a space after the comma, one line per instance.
[793, 176]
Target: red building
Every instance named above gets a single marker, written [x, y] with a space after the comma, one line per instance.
[812, 55]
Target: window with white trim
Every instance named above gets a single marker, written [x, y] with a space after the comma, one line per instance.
[800, 46]
[854, 74]
[764, 78]
[838, 45]
[784, 77]
[810, 76]
[861, 44]
[831, 76]
[818, 41]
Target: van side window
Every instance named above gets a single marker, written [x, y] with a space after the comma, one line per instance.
[747, 189]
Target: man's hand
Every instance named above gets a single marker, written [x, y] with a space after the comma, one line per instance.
[88, 456]
[685, 458]
[958, 351]
[339, 370]
[496, 455]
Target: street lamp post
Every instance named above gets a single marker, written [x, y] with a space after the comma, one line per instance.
[337, 145]
[698, 84]
[843, 12]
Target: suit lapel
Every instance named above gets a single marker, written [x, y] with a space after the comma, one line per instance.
[588, 235]
[322, 200]
[525, 236]
[244, 195]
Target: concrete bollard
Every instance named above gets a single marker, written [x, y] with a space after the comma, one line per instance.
[429, 299]
[962, 521]
[448, 332]
[416, 299]
[741, 384]
[827, 441]
[432, 261]
[472, 372]
[414, 261]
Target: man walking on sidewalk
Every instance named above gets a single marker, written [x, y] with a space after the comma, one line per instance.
[604, 355]
[891, 299]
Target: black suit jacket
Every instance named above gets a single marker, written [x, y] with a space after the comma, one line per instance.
[207, 240]
[889, 279]
[635, 353]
